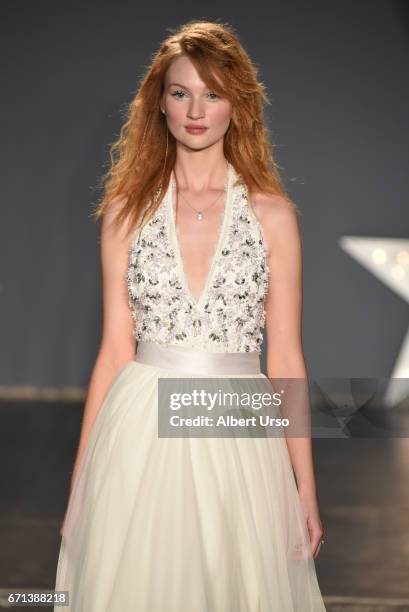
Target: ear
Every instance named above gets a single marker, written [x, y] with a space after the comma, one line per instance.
[161, 105]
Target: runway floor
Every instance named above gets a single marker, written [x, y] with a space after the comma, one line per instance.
[362, 486]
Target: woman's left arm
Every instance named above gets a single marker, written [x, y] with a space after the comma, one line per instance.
[285, 358]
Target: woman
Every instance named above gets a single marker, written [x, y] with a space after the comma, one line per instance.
[193, 268]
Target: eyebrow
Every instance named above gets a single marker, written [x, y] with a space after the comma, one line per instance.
[180, 85]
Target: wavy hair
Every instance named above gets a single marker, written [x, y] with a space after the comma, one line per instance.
[142, 158]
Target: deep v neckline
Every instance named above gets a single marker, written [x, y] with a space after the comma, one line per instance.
[198, 303]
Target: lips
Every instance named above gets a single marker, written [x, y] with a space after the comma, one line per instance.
[192, 129]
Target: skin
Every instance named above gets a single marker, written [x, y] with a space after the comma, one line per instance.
[200, 165]
[201, 171]
[285, 358]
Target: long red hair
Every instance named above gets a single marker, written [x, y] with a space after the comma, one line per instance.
[139, 171]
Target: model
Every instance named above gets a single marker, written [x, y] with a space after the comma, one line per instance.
[200, 251]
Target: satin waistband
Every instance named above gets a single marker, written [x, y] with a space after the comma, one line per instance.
[173, 357]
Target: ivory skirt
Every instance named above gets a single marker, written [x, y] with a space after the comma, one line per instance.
[183, 524]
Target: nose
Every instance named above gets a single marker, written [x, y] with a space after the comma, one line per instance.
[195, 109]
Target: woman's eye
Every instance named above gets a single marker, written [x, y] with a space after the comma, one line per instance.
[179, 94]
[175, 94]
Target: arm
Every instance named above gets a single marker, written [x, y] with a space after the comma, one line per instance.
[285, 358]
[117, 345]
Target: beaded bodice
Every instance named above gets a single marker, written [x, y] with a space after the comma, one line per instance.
[229, 315]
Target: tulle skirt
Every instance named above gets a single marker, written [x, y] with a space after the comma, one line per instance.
[184, 524]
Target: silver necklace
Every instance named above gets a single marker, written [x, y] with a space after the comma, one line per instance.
[200, 213]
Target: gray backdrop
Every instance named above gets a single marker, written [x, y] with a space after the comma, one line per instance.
[337, 76]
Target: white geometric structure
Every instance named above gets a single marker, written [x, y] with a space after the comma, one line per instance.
[388, 260]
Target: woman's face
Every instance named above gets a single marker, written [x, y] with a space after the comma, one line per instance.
[187, 101]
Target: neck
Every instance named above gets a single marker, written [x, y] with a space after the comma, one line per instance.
[199, 178]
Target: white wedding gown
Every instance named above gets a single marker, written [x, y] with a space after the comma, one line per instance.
[187, 524]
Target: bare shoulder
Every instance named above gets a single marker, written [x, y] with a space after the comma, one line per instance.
[110, 226]
[277, 215]
[115, 205]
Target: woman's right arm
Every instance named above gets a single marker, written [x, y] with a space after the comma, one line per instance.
[117, 345]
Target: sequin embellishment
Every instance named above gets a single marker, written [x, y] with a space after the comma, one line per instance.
[231, 315]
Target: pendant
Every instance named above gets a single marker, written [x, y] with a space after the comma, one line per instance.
[199, 216]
